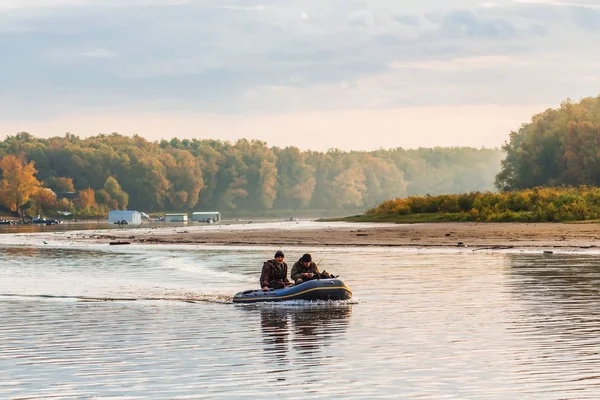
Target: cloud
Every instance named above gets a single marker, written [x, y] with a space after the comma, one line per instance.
[465, 64]
[471, 23]
[37, 4]
[567, 3]
[361, 18]
[261, 56]
[407, 19]
[235, 7]
[587, 19]
[20, 4]
[98, 53]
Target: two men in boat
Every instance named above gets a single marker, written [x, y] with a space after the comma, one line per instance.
[274, 272]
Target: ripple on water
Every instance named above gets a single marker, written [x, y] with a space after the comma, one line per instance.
[157, 322]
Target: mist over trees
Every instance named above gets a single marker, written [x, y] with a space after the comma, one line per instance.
[116, 172]
[551, 173]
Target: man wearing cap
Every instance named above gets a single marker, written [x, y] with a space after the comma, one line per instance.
[305, 270]
[274, 273]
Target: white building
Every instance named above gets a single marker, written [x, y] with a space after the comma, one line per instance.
[208, 216]
[125, 217]
[176, 217]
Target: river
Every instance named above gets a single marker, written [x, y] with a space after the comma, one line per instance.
[156, 321]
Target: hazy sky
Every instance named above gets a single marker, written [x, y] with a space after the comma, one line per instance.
[317, 74]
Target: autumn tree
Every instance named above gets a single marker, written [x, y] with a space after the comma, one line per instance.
[18, 182]
[257, 163]
[235, 191]
[383, 180]
[44, 200]
[86, 202]
[232, 186]
[211, 156]
[268, 184]
[61, 184]
[185, 176]
[349, 187]
[118, 197]
[65, 205]
[297, 181]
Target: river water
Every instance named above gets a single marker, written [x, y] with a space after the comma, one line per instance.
[143, 321]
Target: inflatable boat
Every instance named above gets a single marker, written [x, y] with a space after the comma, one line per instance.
[317, 289]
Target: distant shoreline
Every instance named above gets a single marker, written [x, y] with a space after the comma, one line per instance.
[440, 235]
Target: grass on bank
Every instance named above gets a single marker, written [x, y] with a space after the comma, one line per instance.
[564, 204]
[388, 217]
[428, 218]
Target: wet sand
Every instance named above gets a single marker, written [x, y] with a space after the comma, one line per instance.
[310, 233]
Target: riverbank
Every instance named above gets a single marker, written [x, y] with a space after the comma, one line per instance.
[310, 234]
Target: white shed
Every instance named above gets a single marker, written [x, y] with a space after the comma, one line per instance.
[208, 216]
[176, 217]
[124, 217]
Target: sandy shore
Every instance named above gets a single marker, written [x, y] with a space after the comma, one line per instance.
[309, 233]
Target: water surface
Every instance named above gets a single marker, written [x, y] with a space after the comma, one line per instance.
[145, 321]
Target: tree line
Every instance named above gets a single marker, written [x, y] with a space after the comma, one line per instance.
[551, 172]
[117, 172]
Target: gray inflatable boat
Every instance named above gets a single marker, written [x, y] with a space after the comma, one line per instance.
[317, 289]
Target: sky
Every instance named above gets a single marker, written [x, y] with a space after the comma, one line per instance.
[315, 74]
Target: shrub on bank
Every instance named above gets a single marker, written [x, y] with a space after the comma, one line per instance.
[530, 205]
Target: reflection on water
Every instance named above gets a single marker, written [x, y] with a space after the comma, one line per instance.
[51, 254]
[302, 329]
[275, 332]
[59, 228]
[10, 252]
[424, 325]
[87, 225]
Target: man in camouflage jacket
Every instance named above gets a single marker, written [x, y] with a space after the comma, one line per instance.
[305, 270]
[274, 273]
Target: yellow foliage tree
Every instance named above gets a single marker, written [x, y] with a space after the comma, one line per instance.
[61, 184]
[86, 201]
[119, 198]
[45, 199]
[65, 205]
[18, 182]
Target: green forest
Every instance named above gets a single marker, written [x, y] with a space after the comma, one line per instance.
[115, 171]
[551, 172]
[558, 147]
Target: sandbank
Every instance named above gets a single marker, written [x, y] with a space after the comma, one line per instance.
[475, 236]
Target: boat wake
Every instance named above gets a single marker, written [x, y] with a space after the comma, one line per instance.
[195, 298]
